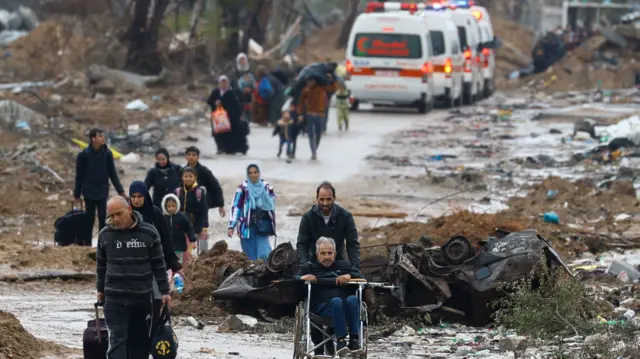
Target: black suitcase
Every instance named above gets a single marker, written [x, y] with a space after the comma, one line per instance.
[73, 228]
[95, 339]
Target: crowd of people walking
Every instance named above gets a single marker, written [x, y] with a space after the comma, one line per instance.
[261, 97]
[149, 235]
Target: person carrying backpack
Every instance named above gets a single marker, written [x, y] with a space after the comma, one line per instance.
[193, 203]
[262, 94]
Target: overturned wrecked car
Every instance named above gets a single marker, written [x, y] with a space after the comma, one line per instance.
[457, 277]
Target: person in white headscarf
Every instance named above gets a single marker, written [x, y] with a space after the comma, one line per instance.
[245, 82]
[226, 98]
[242, 64]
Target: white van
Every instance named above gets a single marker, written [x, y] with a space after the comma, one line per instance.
[447, 56]
[388, 60]
[469, 36]
[487, 48]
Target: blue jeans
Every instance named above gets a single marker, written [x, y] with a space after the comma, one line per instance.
[256, 246]
[342, 312]
[315, 128]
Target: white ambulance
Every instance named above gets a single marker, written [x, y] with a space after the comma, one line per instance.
[389, 58]
[469, 36]
[487, 48]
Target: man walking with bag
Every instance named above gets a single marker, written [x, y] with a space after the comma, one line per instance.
[312, 109]
[129, 259]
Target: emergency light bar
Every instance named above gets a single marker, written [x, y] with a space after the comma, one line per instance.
[393, 6]
[413, 7]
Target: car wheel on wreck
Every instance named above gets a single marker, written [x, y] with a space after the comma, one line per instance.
[457, 250]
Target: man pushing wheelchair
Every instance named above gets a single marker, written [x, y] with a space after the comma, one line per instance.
[332, 298]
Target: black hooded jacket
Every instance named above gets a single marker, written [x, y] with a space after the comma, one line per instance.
[153, 215]
[164, 180]
[341, 228]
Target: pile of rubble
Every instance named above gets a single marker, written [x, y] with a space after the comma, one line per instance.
[204, 276]
[16, 342]
[14, 25]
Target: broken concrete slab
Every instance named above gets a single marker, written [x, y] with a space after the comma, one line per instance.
[512, 344]
[237, 323]
[123, 80]
[12, 112]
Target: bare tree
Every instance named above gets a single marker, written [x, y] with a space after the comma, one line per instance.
[352, 13]
[198, 8]
[213, 8]
[143, 56]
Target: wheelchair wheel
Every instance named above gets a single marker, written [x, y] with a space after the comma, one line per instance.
[298, 325]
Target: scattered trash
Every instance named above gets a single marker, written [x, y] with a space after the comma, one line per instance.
[137, 105]
[130, 158]
[624, 271]
[551, 217]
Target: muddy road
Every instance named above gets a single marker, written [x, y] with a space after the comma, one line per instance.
[58, 312]
[387, 161]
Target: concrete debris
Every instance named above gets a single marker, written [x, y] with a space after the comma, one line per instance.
[237, 323]
[122, 80]
[12, 113]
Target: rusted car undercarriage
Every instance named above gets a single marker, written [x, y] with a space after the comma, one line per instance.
[456, 277]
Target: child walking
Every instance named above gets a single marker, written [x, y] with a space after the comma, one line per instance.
[193, 202]
[288, 133]
[342, 105]
[180, 229]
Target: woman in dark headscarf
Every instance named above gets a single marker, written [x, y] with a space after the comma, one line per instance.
[234, 141]
[164, 177]
[141, 203]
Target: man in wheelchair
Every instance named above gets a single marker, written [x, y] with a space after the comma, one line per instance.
[331, 298]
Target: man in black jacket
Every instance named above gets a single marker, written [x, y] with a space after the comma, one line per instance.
[333, 299]
[94, 169]
[327, 219]
[129, 258]
[215, 198]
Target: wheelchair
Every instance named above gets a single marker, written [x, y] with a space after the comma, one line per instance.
[305, 321]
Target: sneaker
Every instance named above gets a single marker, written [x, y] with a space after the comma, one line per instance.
[288, 160]
[354, 345]
[342, 347]
[314, 157]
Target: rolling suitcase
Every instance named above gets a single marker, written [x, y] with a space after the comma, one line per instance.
[95, 339]
[73, 228]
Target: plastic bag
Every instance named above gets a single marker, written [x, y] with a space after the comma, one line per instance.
[220, 119]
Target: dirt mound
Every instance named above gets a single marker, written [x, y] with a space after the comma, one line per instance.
[49, 49]
[576, 202]
[321, 45]
[475, 226]
[515, 53]
[203, 277]
[16, 342]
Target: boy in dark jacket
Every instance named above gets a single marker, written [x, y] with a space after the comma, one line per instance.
[215, 198]
[180, 229]
[287, 131]
[193, 203]
[94, 169]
